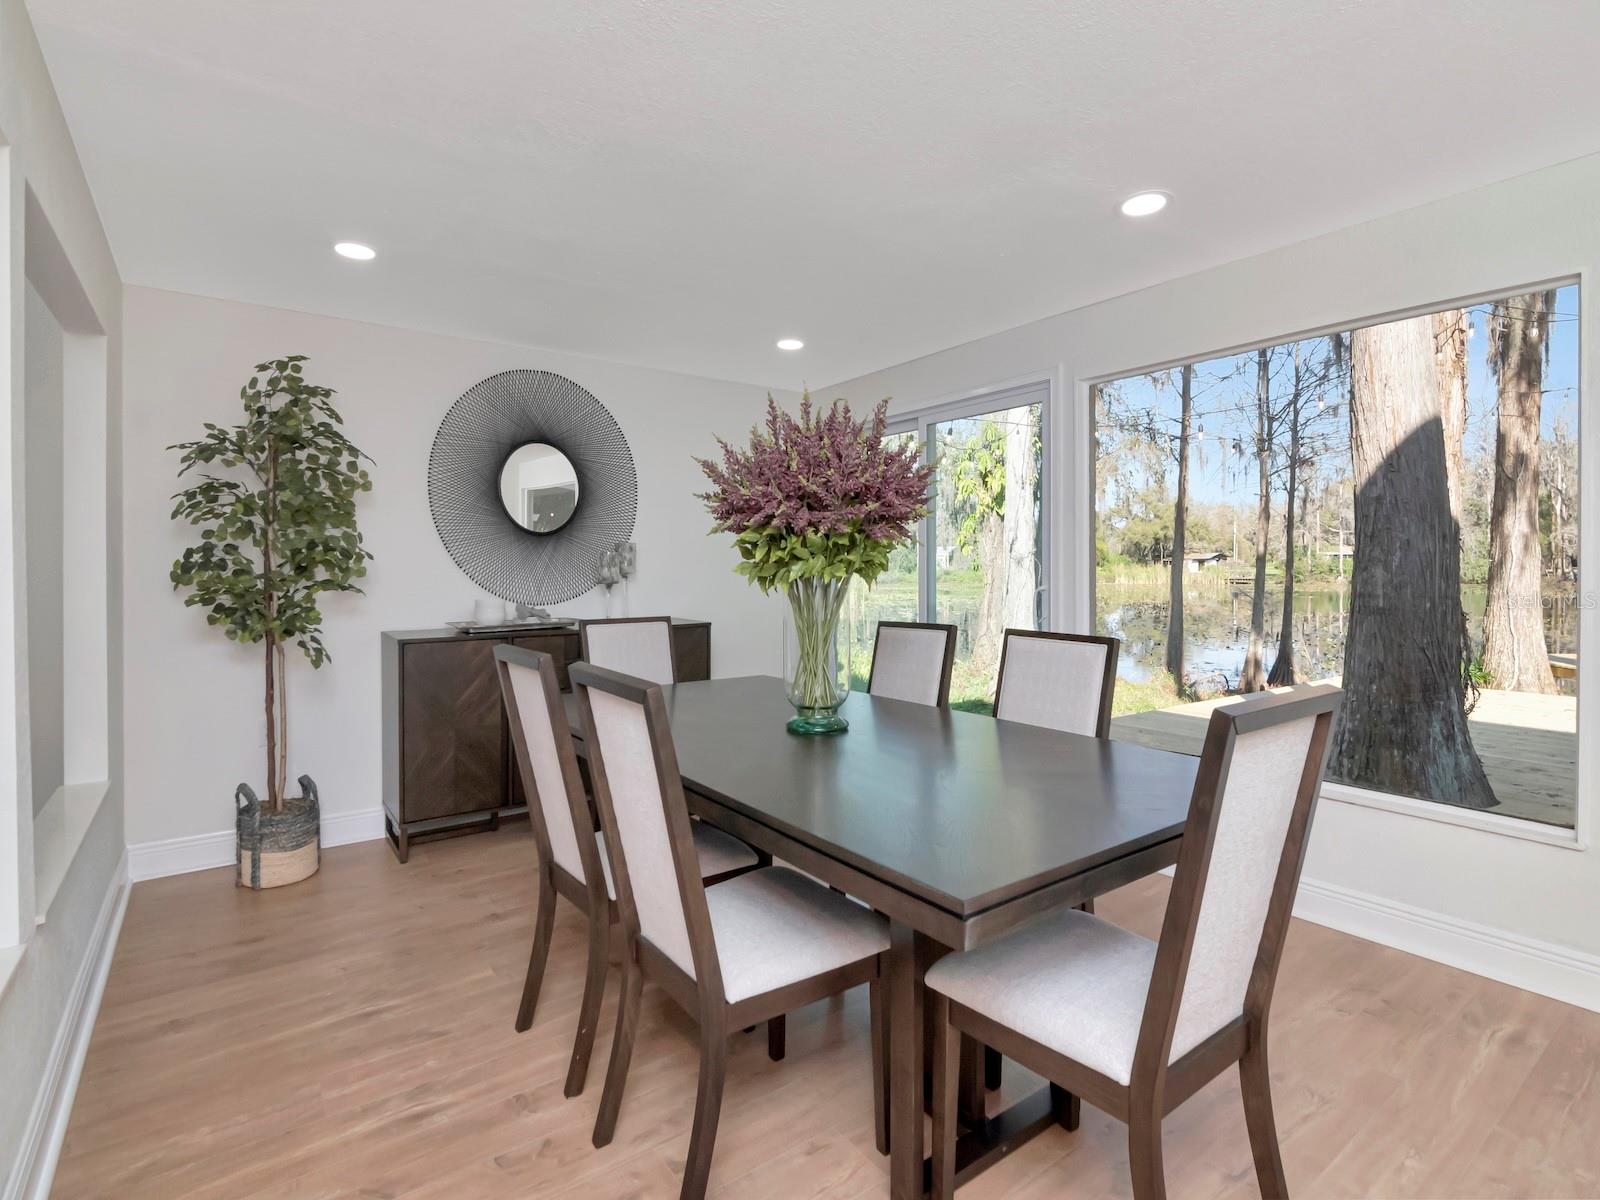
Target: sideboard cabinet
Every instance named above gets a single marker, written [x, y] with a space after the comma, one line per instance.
[447, 761]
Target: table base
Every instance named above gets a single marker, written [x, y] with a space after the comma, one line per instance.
[981, 1147]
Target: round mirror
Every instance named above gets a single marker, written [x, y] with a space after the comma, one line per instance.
[539, 487]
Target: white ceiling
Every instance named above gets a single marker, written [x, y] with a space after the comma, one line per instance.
[679, 184]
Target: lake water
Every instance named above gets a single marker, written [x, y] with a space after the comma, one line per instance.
[1217, 629]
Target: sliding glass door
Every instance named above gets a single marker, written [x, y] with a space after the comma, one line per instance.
[892, 598]
[978, 562]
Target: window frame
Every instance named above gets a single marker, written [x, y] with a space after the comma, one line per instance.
[921, 421]
[1587, 764]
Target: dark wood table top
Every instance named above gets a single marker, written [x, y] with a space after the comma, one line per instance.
[961, 810]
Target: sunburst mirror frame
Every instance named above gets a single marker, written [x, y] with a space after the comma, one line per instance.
[482, 429]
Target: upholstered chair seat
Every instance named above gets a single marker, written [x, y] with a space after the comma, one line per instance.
[775, 927]
[1069, 981]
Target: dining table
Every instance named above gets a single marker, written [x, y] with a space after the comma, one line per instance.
[955, 826]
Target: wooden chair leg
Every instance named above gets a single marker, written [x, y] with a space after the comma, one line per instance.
[707, 1109]
[993, 1072]
[878, 1018]
[776, 1041]
[594, 990]
[1066, 1107]
[1144, 1154]
[605, 1122]
[543, 921]
[974, 1105]
[1256, 1085]
[946, 1081]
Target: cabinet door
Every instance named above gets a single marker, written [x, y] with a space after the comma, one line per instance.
[561, 646]
[691, 648]
[455, 749]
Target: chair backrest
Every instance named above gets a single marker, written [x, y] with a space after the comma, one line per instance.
[1059, 680]
[634, 769]
[911, 660]
[637, 646]
[547, 762]
[1243, 847]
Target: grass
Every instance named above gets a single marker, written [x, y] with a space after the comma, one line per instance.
[1159, 691]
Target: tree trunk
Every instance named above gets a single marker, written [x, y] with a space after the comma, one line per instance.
[1557, 538]
[1558, 506]
[274, 700]
[1253, 678]
[1284, 671]
[274, 788]
[1403, 728]
[1021, 564]
[1514, 653]
[1450, 356]
[985, 644]
[1180, 515]
[283, 719]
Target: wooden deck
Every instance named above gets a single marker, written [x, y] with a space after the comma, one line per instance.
[1528, 743]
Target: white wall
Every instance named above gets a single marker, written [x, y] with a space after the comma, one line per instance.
[43, 451]
[1471, 896]
[197, 728]
[51, 230]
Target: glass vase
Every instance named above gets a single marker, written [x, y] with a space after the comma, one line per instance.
[819, 676]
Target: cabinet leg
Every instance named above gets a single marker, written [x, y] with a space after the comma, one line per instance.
[396, 837]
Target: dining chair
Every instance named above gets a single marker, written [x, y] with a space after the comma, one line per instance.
[1062, 681]
[911, 660]
[732, 955]
[571, 856]
[1136, 1026]
[640, 646]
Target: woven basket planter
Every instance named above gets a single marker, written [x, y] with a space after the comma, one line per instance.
[278, 848]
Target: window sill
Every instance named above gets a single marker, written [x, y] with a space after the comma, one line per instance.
[58, 831]
[1467, 818]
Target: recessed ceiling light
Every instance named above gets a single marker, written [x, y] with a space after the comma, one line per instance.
[790, 344]
[1143, 204]
[355, 250]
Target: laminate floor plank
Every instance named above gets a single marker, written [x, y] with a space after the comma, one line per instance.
[350, 1038]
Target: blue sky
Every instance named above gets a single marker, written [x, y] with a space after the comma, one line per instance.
[1225, 393]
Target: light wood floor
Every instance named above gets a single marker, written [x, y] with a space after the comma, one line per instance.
[351, 1037]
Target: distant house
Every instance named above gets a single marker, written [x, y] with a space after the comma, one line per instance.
[1194, 560]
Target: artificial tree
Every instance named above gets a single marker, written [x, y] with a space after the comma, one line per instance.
[278, 533]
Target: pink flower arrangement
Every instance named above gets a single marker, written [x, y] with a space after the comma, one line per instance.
[821, 473]
[819, 496]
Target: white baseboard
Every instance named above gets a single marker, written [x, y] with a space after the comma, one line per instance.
[35, 1166]
[1564, 974]
[203, 851]
[1570, 976]
[1559, 972]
